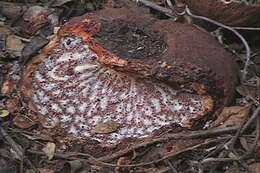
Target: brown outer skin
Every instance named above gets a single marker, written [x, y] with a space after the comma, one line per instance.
[189, 49]
[193, 58]
[232, 14]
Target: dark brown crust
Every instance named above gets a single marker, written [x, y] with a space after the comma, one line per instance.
[189, 48]
[232, 14]
[193, 58]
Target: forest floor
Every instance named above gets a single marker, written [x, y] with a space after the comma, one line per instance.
[233, 146]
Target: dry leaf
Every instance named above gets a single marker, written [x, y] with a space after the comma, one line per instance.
[8, 87]
[106, 127]
[232, 116]
[4, 113]
[14, 44]
[23, 122]
[49, 150]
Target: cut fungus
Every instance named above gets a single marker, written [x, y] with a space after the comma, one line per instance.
[119, 74]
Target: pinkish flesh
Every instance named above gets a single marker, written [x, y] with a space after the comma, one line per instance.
[73, 90]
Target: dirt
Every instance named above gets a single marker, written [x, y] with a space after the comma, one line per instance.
[130, 41]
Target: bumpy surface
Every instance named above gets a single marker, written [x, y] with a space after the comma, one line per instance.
[72, 90]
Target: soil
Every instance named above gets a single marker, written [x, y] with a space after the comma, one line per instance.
[130, 41]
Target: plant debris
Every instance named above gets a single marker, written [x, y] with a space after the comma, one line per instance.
[229, 143]
[250, 2]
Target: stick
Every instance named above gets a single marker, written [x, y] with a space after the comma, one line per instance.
[95, 161]
[154, 6]
[251, 120]
[243, 40]
[17, 150]
[192, 135]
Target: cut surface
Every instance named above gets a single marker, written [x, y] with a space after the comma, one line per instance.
[73, 91]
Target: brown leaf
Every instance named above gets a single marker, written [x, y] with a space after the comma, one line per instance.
[14, 44]
[106, 127]
[23, 122]
[232, 116]
[8, 87]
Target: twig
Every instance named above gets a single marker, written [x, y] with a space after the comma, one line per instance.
[219, 160]
[217, 150]
[154, 6]
[17, 150]
[192, 135]
[234, 139]
[96, 161]
[169, 2]
[257, 139]
[12, 143]
[246, 28]
[226, 159]
[195, 134]
[243, 40]
[173, 169]
[251, 119]
[244, 126]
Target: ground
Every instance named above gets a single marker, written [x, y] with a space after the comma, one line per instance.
[231, 144]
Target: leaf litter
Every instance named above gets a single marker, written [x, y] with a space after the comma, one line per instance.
[233, 117]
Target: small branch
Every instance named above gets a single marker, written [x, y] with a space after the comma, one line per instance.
[191, 135]
[173, 169]
[12, 143]
[18, 150]
[251, 119]
[102, 160]
[154, 6]
[209, 160]
[93, 160]
[246, 28]
[256, 141]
